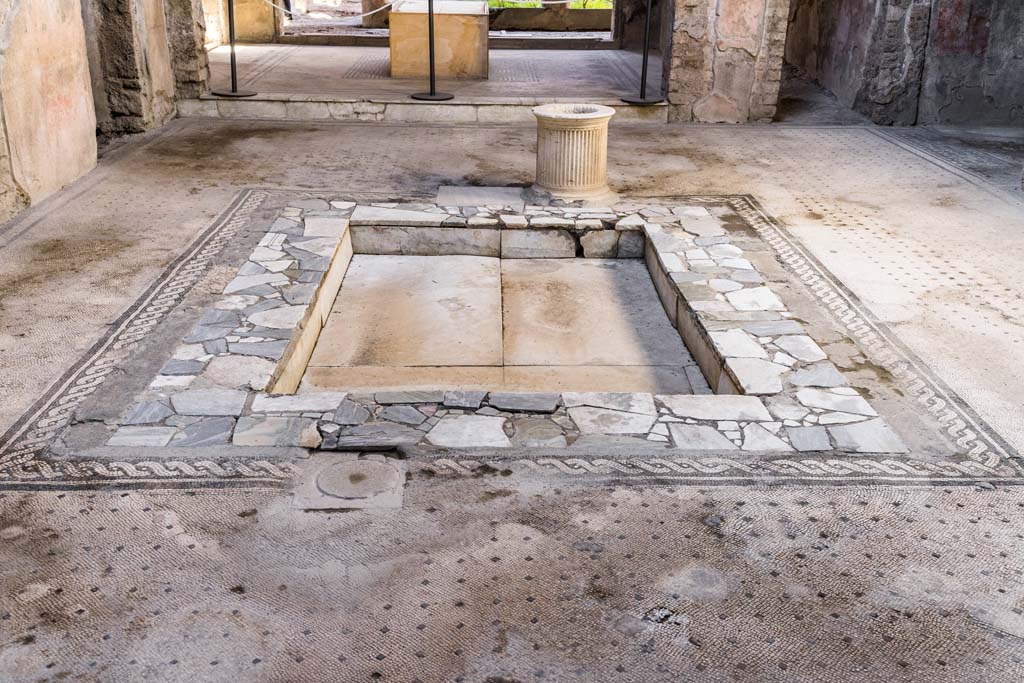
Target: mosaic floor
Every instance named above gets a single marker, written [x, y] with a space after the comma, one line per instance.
[585, 561]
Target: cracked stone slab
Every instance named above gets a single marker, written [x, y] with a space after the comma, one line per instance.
[699, 438]
[318, 402]
[737, 408]
[871, 436]
[209, 402]
[276, 431]
[629, 402]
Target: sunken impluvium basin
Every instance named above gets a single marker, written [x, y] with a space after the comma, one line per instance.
[357, 327]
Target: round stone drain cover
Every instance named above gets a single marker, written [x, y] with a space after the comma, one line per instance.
[358, 479]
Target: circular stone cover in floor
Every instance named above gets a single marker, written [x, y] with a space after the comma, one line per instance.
[359, 479]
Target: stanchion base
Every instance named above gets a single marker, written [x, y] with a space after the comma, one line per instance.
[644, 101]
[233, 93]
[432, 97]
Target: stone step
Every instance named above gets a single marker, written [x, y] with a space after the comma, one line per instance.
[289, 106]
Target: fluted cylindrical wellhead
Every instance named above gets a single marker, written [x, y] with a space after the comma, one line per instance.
[572, 149]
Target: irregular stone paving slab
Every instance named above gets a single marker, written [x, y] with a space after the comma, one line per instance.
[351, 413]
[737, 408]
[147, 413]
[283, 317]
[469, 431]
[464, 399]
[756, 376]
[142, 436]
[801, 347]
[755, 299]
[604, 421]
[319, 226]
[537, 432]
[385, 397]
[629, 402]
[377, 435]
[405, 414]
[829, 400]
[209, 402]
[276, 431]
[375, 215]
[214, 431]
[809, 438]
[239, 371]
[757, 438]
[738, 343]
[524, 402]
[320, 402]
[872, 436]
[818, 375]
[699, 438]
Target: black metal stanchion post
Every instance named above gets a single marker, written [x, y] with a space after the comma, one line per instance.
[644, 99]
[234, 92]
[433, 95]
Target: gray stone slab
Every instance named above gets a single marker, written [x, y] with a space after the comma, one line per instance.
[312, 402]
[147, 412]
[464, 399]
[603, 421]
[405, 414]
[351, 413]
[829, 400]
[537, 244]
[264, 349]
[469, 431]
[699, 438]
[376, 215]
[389, 397]
[600, 244]
[524, 402]
[534, 432]
[378, 435]
[182, 367]
[215, 431]
[755, 299]
[756, 376]
[772, 328]
[631, 244]
[736, 408]
[276, 431]
[251, 372]
[809, 438]
[630, 402]
[818, 375]
[142, 436]
[801, 347]
[209, 402]
[757, 438]
[871, 436]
